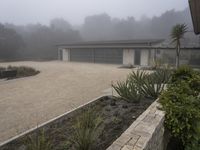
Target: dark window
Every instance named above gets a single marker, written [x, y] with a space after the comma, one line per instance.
[158, 51]
[137, 57]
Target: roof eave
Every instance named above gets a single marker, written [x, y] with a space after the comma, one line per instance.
[195, 14]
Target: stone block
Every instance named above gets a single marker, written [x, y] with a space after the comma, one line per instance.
[146, 133]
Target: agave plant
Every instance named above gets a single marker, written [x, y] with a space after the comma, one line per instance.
[137, 76]
[151, 85]
[128, 90]
[86, 131]
[141, 84]
[162, 75]
[39, 142]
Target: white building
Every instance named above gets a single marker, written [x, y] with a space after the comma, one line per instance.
[135, 52]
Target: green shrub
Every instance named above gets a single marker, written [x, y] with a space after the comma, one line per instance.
[194, 84]
[182, 73]
[182, 111]
[86, 130]
[39, 142]
[181, 102]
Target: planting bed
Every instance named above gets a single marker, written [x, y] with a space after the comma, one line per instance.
[117, 115]
[13, 72]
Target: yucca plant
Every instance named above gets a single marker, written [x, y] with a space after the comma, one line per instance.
[142, 84]
[128, 90]
[162, 75]
[86, 131]
[39, 142]
[150, 85]
[137, 76]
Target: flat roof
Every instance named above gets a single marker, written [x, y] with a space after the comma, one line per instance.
[123, 44]
[113, 44]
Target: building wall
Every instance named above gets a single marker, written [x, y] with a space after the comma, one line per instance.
[65, 54]
[144, 61]
[59, 54]
[186, 56]
[128, 57]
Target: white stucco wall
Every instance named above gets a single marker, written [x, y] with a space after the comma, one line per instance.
[144, 61]
[65, 54]
[128, 57]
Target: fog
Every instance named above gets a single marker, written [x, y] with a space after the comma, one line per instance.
[41, 11]
[30, 29]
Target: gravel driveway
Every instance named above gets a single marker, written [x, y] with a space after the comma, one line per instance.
[59, 87]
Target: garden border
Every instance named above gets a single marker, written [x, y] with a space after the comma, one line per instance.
[58, 118]
[145, 133]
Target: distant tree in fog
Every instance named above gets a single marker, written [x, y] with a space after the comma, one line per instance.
[97, 27]
[40, 40]
[103, 27]
[10, 43]
[60, 24]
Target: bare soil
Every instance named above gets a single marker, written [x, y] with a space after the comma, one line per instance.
[117, 116]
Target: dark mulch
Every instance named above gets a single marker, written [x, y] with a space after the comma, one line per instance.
[117, 116]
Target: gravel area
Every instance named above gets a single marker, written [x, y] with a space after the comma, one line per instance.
[60, 87]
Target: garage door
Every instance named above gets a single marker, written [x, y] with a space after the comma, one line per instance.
[112, 56]
[82, 55]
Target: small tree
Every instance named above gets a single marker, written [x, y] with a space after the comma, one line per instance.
[177, 34]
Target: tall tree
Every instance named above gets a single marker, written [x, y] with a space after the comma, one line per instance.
[177, 34]
[10, 43]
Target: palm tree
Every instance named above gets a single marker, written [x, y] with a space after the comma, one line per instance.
[177, 34]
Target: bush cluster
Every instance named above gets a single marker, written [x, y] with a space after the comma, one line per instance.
[181, 102]
[141, 84]
[21, 71]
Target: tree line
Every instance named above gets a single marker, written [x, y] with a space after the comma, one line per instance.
[37, 41]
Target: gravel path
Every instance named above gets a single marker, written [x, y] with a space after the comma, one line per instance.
[59, 87]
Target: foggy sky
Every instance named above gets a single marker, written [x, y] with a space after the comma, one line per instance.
[42, 11]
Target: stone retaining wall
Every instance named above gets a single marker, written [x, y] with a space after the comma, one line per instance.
[146, 133]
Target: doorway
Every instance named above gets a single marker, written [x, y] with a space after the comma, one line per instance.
[137, 59]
